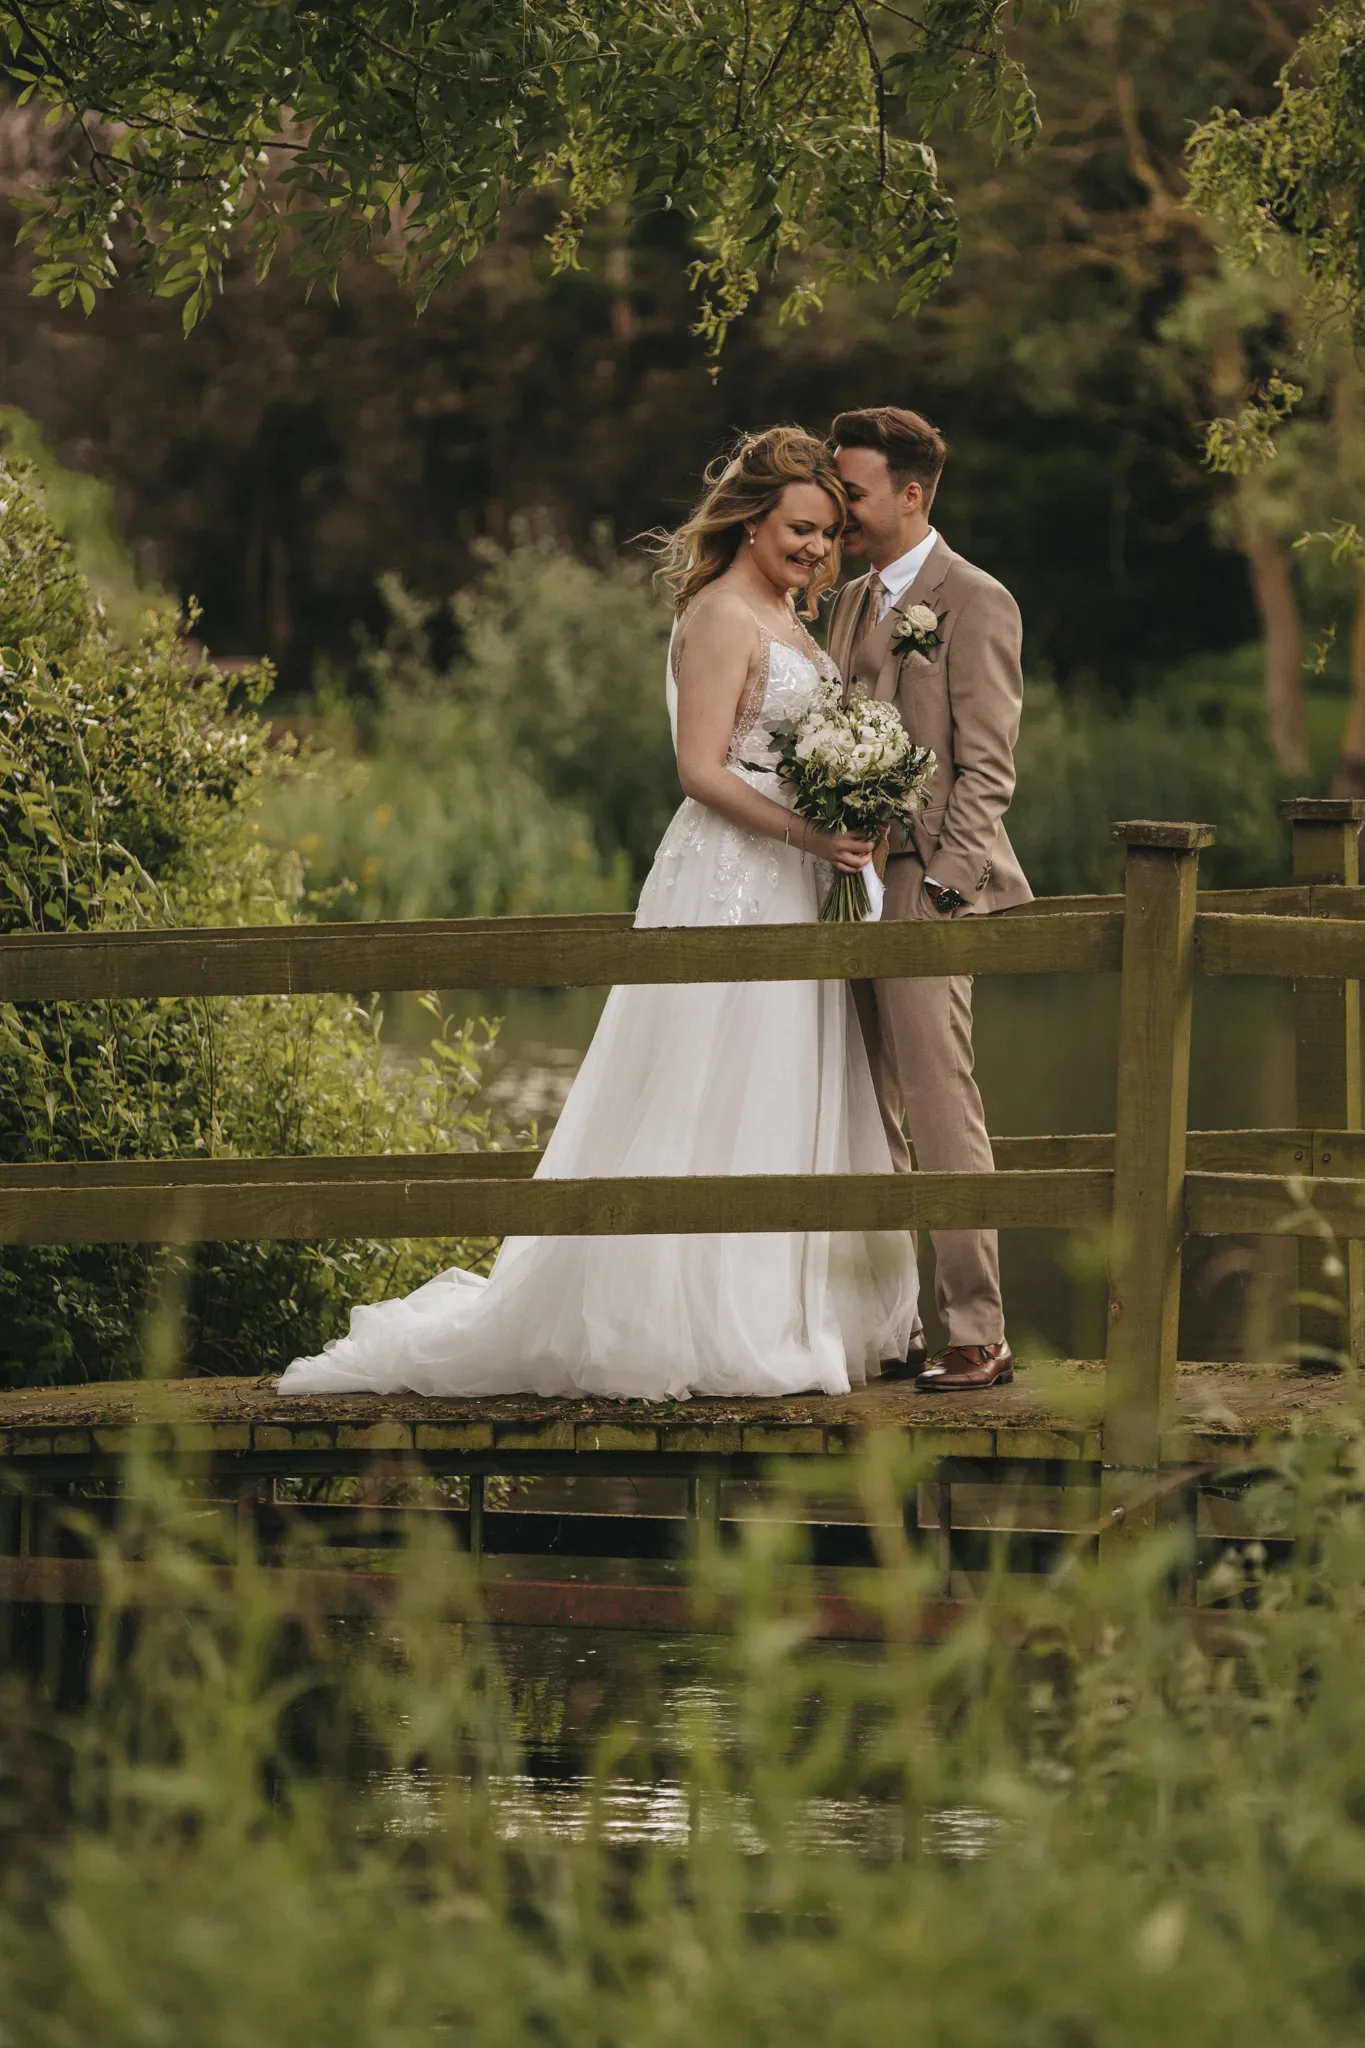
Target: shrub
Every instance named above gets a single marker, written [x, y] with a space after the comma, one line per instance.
[412, 802]
[1083, 763]
[569, 659]
[534, 774]
[129, 779]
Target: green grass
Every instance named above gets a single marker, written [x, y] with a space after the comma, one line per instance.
[1090, 1827]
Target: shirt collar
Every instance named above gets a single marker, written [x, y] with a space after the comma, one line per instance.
[897, 576]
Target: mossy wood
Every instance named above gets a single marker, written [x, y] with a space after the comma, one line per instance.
[1326, 845]
[1149, 1139]
[360, 1204]
[583, 953]
[1327, 948]
[1245, 1204]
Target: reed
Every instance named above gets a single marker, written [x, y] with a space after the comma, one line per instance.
[1076, 1820]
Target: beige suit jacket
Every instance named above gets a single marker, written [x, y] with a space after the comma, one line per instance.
[964, 700]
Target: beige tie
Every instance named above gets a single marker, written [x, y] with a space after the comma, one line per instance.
[869, 611]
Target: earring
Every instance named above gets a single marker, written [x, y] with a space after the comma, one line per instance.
[751, 536]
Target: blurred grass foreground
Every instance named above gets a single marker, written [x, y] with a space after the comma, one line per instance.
[1075, 1821]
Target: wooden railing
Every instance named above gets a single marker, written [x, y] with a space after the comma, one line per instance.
[1149, 1185]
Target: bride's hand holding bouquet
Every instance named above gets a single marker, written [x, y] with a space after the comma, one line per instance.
[854, 772]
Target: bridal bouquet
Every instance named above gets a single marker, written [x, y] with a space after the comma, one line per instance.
[854, 768]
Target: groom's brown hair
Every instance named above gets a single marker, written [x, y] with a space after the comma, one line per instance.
[915, 452]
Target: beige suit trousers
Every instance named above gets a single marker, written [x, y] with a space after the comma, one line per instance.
[918, 1035]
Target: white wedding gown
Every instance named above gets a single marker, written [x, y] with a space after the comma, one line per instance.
[721, 1077]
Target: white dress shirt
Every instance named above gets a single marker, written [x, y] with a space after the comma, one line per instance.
[897, 576]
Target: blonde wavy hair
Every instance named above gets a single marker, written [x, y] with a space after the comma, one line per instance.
[741, 488]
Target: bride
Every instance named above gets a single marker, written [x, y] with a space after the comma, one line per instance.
[746, 1077]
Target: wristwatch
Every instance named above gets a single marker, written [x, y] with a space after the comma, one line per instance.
[944, 899]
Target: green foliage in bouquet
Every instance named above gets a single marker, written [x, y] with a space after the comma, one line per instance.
[129, 779]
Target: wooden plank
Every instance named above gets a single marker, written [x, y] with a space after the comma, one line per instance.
[1330, 900]
[1214, 1151]
[353, 1207]
[1297, 900]
[1268, 1205]
[589, 953]
[1089, 1149]
[1292, 1151]
[167, 1174]
[1149, 1141]
[1250, 1151]
[1303, 948]
[1337, 1154]
[1326, 842]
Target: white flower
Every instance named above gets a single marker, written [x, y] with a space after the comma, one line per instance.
[922, 618]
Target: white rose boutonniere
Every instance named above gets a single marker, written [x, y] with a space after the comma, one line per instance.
[917, 631]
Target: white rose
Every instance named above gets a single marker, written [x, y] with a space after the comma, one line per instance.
[922, 619]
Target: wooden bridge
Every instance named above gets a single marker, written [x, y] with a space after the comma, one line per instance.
[1101, 1448]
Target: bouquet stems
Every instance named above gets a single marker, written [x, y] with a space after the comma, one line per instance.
[847, 902]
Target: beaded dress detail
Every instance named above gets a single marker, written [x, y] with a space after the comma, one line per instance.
[697, 1078]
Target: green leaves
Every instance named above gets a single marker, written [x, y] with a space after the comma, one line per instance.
[406, 133]
[130, 782]
[1294, 179]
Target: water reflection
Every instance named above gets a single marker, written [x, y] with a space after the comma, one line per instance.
[627, 1813]
[567, 1686]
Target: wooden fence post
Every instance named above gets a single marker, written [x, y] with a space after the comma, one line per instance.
[1149, 1156]
[1326, 843]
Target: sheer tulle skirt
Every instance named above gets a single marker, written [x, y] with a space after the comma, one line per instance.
[718, 1078]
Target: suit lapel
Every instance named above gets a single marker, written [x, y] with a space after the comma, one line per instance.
[875, 664]
[844, 625]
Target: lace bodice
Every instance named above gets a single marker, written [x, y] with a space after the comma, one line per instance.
[708, 871]
[788, 677]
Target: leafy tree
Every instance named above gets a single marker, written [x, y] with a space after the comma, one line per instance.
[288, 453]
[1292, 176]
[1091, 297]
[406, 131]
[1286, 187]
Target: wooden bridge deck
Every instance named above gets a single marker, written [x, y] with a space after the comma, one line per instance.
[1047, 1413]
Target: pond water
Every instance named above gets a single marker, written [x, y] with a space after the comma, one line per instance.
[1046, 1060]
[571, 1687]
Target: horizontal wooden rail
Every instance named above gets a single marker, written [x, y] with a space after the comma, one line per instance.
[541, 953]
[1283, 1152]
[1042, 1182]
[1302, 948]
[1299, 932]
[1269, 1205]
[422, 1206]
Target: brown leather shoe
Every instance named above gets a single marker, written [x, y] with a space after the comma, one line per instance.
[908, 1368]
[967, 1368]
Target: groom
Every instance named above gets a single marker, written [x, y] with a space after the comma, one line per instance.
[957, 685]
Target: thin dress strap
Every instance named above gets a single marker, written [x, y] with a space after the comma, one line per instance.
[751, 703]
